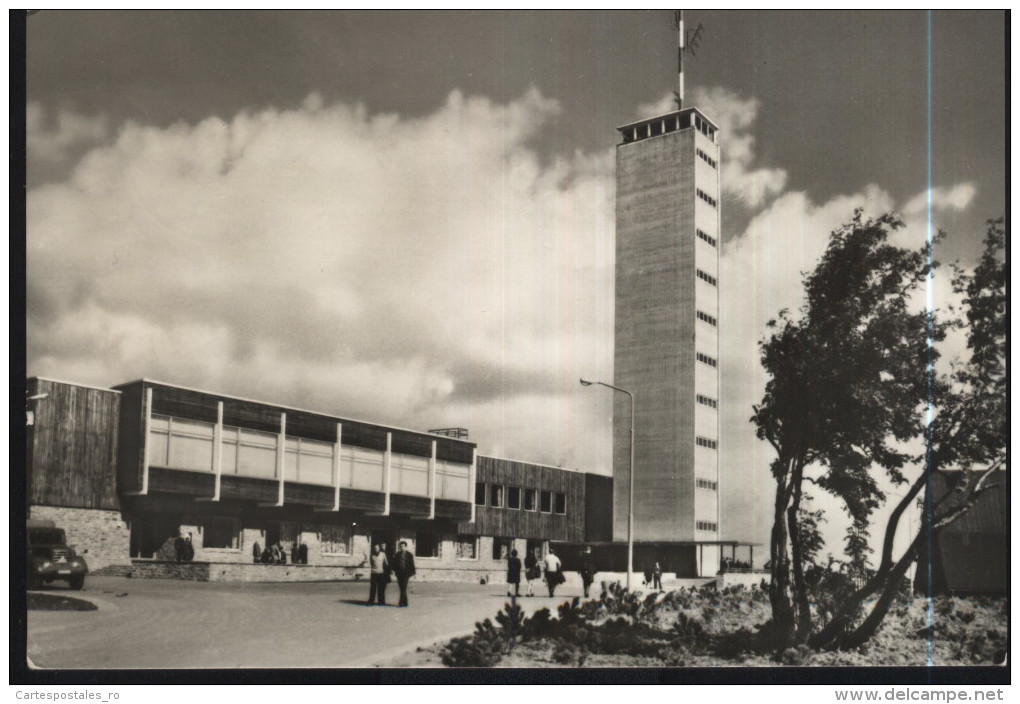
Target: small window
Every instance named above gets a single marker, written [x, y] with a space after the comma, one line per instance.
[530, 502]
[546, 499]
[220, 533]
[496, 495]
[479, 493]
[501, 548]
[426, 545]
[561, 503]
[513, 497]
[467, 547]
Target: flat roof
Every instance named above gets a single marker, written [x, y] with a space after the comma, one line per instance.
[144, 380]
[72, 383]
[646, 120]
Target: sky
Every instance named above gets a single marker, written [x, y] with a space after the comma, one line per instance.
[408, 217]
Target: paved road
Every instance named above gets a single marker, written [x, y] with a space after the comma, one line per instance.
[169, 624]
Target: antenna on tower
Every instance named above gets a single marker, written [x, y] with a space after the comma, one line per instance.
[685, 42]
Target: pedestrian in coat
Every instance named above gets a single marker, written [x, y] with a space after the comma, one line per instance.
[657, 576]
[403, 569]
[553, 571]
[531, 570]
[587, 570]
[378, 578]
[513, 574]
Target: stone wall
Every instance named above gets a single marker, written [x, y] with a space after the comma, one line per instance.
[747, 579]
[102, 533]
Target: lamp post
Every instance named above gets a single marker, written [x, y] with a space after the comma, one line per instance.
[630, 490]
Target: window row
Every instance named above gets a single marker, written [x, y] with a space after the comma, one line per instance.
[706, 277]
[176, 443]
[710, 361]
[707, 318]
[706, 401]
[516, 498]
[705, 442]
[703, 127]
[707, 238]
[707, 525]
[707, 484]
[707, 159]
[707, 198]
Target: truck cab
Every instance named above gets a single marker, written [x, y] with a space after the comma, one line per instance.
[50, 558]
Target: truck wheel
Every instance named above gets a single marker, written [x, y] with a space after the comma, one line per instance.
[76, 583]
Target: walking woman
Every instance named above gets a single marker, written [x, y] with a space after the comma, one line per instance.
[380, 573]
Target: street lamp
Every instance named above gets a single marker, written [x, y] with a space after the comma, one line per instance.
[630, 491]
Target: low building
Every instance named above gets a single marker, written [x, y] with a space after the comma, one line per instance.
[125, 470]
[971, 554]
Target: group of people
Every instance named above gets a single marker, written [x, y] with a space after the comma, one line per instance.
[402, 567]
[276, 555]
[551, 566]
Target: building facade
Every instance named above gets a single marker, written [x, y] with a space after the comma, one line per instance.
[667, 335]
[126, 470]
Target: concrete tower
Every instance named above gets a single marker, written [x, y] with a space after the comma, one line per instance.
[667, 334]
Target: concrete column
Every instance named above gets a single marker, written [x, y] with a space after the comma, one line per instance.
[432, 482]
[472, 480]
[281, 455]
[218, 450]
[387, 464]
[145, 452]
[336, 468]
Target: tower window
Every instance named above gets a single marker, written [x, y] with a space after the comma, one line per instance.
[707, 198]
[707, 318]
[705, 442]
[710, 240]
[707, 159]
[706, 277]
[706, 401]
[707, 525]
[705, 359]
[707, 484]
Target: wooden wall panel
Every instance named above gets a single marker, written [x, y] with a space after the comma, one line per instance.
[174, 481]
[307, 494]
[247, 488]
[413, 505]
[518, 523]
[130, 437]
[458, 510]
[73, 446]
[362, 500]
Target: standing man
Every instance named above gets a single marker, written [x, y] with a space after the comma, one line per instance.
[553, 574]
[380, 566]
[403, 568]
[513, 574]
[587, 570]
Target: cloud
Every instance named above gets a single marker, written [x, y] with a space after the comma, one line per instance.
[421, 272]
[53, 138]
[749, 185]
[958, 197]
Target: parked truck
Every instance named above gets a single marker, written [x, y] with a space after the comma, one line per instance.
[51, 558]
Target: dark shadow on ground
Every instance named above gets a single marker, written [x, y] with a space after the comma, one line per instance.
[362, 602]
[57, 602]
